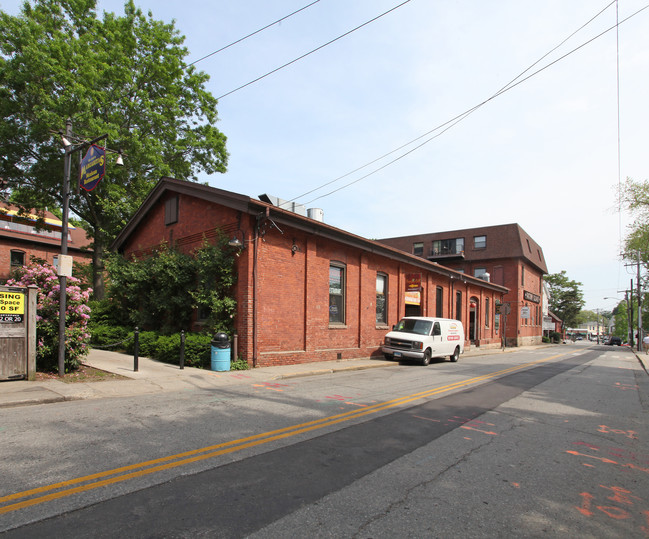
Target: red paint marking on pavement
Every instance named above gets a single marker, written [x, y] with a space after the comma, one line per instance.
[516, 485]
[609, 461]
[621, 495]
[479, 430]
[586, 499]
[631, 434]
[589, 446]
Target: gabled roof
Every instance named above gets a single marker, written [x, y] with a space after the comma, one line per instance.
[280, 216]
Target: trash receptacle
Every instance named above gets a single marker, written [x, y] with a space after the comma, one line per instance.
[220, 352]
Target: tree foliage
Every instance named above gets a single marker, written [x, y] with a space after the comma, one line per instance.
[162, 291]
[124, 76]
[566, 297]
[634, 196]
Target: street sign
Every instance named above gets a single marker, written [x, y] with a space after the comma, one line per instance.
[93, 167]
[503, 308]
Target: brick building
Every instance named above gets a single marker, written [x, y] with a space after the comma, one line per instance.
[503, 254]
[25, 235]
[307, 291]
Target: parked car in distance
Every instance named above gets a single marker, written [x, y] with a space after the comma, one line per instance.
[423, 338]
[614, 341]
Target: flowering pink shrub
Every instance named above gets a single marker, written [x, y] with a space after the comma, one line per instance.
[77, 315]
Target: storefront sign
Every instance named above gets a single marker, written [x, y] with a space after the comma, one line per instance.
[93, 167]
[525, 312]
[529, 296]
[413, 282]
[413, 298]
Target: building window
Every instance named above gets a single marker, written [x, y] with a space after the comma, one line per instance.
[171, 211]
[522, 275]
[17, 259]
[418, 248]
[439, 302]
[479, 272]
[448, 247]
[458, 305]
[337, 293]
[381, 299]
[479, 242]
[486, 313]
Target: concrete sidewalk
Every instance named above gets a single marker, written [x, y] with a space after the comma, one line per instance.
[156, 377]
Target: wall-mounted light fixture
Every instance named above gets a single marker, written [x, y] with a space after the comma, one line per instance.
[294, 247]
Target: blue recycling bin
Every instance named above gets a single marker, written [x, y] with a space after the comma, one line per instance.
[220, 352]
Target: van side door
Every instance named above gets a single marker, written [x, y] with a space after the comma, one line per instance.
[437, 338]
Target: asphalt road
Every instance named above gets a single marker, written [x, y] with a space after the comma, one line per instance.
[541, 444]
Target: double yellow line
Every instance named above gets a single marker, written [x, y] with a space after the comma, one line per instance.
[89, 482]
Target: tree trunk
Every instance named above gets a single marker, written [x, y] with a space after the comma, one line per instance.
[99, 248]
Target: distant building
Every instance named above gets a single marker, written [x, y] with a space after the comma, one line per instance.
[502, 254]
[26, 235]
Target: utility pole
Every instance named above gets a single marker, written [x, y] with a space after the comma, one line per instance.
[640, 332]
[630, 307]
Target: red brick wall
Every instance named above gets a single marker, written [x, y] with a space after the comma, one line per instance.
[292, 287]
[45, 252]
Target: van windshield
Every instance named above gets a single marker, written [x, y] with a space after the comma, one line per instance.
[420, 327]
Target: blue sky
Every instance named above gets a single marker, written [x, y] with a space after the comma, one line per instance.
[543, 154]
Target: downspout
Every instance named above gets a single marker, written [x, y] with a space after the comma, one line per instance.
[254, 296]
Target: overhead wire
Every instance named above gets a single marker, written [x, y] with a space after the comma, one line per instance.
[80, 114]
[313, 51]
[452, 122]
[252, 34]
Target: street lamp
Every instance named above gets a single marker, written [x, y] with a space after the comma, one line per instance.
[69, 147]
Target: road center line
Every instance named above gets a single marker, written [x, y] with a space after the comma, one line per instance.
[142, 469]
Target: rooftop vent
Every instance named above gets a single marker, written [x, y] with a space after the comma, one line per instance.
[312, 213]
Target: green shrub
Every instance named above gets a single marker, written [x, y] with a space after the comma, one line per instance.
[239, 365]
[77, 314]
[198, 350]
[105, 336]
[148, 343]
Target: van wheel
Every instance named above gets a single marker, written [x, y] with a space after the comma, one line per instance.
[426, 359]
[456, 354]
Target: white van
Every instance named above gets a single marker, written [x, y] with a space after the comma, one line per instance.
[422, 338]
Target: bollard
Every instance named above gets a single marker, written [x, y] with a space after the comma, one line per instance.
[182, 349]
[136, 348]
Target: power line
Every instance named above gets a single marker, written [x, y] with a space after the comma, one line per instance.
[452, 122]
[312, 51]
[81, 114]
[252, 34]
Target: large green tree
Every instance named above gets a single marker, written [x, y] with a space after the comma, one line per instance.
[124, 76]
[566, 297]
